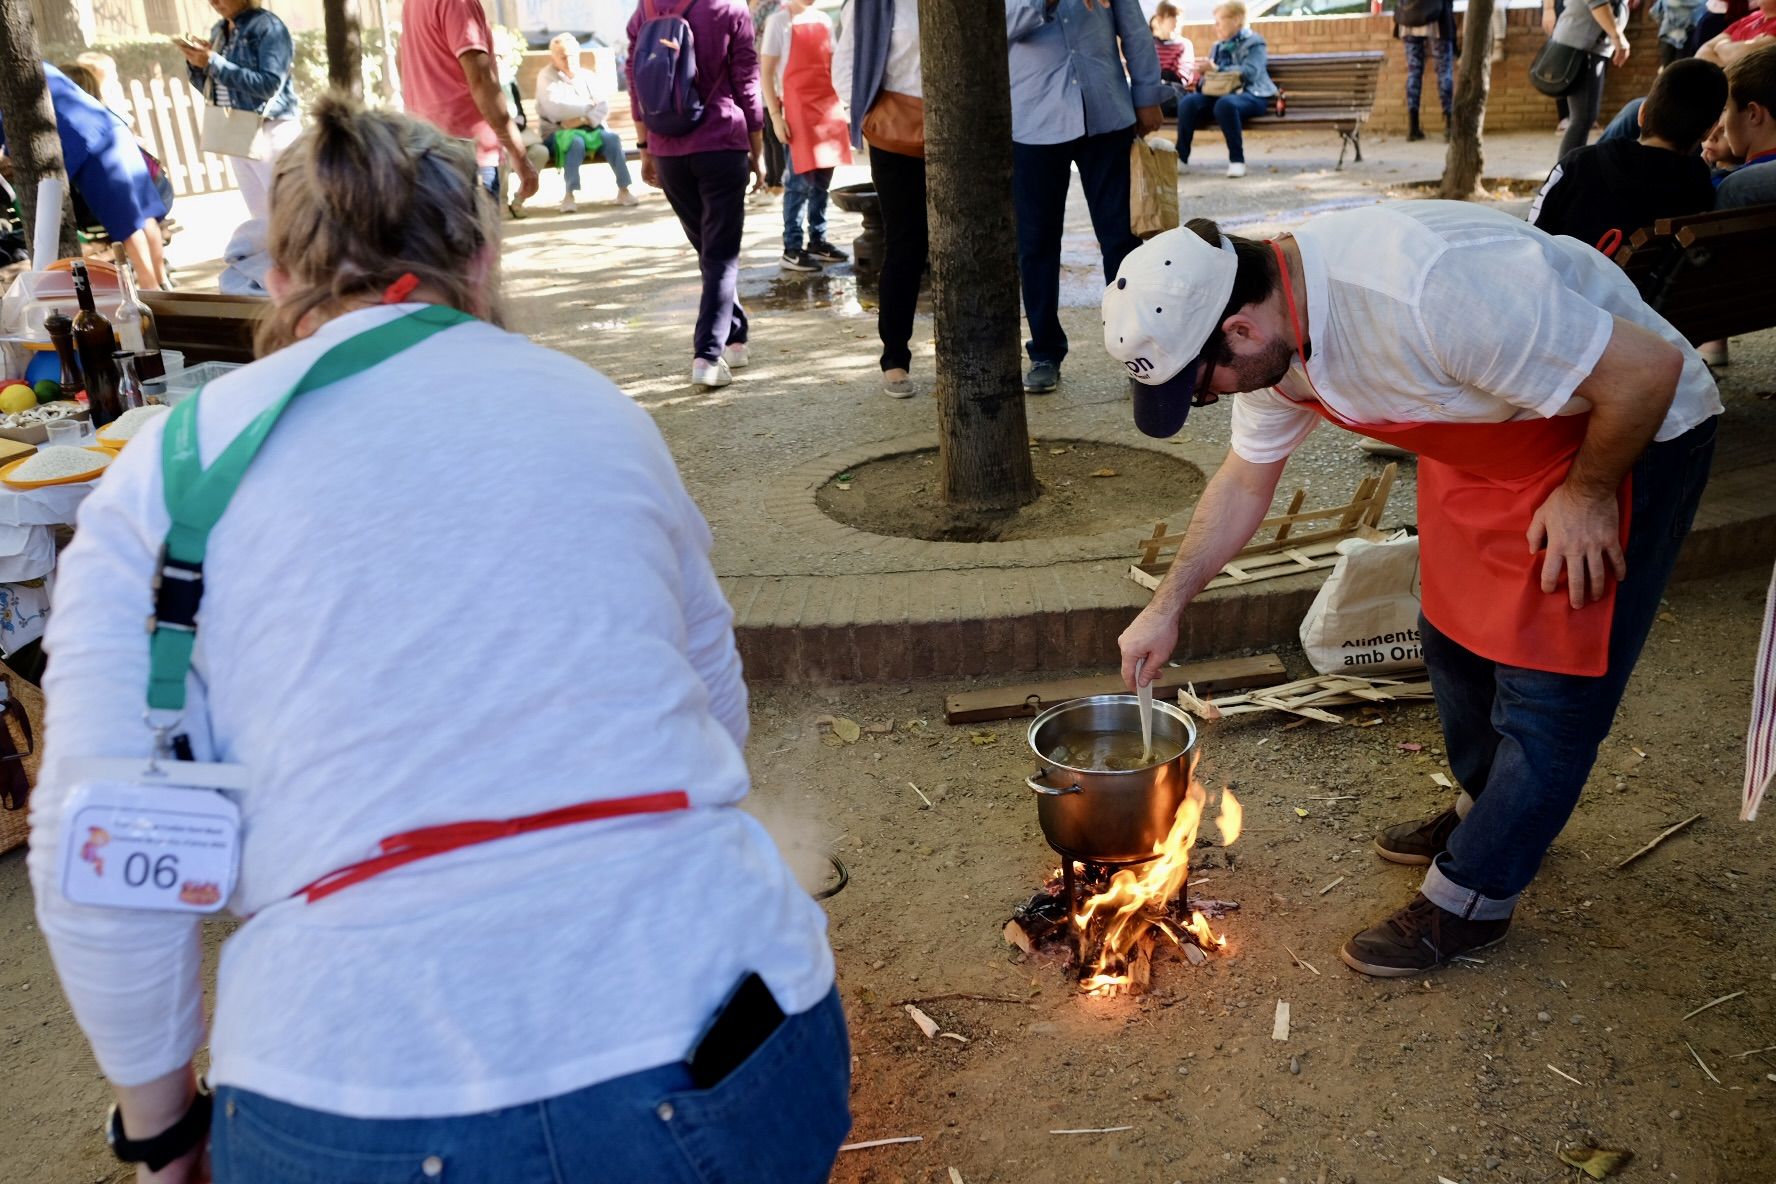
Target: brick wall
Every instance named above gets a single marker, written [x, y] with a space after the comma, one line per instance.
[1512, 105]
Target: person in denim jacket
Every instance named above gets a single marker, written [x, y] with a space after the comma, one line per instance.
[246, 65]
[1239, 49]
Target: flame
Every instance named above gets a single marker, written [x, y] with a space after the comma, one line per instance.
[1137, 898]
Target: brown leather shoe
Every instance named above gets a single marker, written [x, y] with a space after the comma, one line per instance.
[1420, 937]
[1417, 843]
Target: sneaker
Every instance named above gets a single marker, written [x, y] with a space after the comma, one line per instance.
[827, 253]
[627, 198]
[710, 374]
[568, 205]
[1236, 169]
[1042, 378]
[900, 388]
[1419, 842]
[734, 354]
[798, 261]
[1418, 938]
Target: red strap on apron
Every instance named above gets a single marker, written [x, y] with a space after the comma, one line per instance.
[413, 845]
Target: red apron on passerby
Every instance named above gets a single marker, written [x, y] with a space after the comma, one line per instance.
[1479, 486]
[819, 135]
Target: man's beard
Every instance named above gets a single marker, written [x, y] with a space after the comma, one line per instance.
[1266, 369]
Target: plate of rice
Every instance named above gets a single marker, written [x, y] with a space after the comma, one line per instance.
[123, 429]
[56, 465]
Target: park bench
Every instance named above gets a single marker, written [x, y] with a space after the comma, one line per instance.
[1709, 274]
[1335, 90]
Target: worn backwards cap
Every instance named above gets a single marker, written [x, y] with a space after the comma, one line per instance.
[1159, 313]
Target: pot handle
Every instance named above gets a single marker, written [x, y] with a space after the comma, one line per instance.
[1049, 790]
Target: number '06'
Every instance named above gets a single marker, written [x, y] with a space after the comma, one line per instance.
[137, 870]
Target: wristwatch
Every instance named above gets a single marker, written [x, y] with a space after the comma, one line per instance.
[169, 1144]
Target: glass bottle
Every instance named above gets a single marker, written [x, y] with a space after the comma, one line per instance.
[136, 330]
[95, 343]
[61, 335]
[129, 386]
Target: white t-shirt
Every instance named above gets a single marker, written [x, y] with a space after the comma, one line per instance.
[466, 584]
[777, 39]
[1447, 312]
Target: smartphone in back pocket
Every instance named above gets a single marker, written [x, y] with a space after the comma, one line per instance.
[744, 1022]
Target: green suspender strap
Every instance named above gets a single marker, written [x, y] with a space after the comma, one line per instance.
[197, 497]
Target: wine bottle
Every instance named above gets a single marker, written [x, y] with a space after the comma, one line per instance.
[136, 330]
[61, 335]
[95, 343]
[129, 387]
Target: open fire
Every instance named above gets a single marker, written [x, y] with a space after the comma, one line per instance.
[1131, 912]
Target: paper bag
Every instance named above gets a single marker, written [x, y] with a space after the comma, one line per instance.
[1365, 619]
[1153, 186]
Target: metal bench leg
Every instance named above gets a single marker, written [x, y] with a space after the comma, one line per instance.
[1351, 140]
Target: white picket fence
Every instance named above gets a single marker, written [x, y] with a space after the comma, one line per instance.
[168, 115]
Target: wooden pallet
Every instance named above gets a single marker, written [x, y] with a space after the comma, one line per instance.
[1309, 697]
[1032, 698]
[1285, 553]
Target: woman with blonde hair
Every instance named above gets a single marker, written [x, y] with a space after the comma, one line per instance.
[1235, 88]
[502, 918]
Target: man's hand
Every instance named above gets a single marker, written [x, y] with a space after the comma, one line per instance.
[527, 178]
[1147, 643]
[1148, 120]
[1581, 534]
[650, 173]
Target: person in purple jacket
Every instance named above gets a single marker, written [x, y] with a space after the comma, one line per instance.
[705, 173]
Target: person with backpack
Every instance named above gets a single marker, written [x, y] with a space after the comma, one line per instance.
[1427, 26]
[699, 122]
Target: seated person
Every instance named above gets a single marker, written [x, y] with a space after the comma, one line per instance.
[573, 113]
[1177, 57]
[1241, 52]
[1749, 126]
[1622, 185]
[108, 173]
[1751, 32]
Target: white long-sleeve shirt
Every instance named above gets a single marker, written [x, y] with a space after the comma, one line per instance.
[560, 98]
[466, 584]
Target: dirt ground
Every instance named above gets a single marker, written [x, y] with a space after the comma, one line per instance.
[1086, 488]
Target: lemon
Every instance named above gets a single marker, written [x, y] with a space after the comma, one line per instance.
[17, 397]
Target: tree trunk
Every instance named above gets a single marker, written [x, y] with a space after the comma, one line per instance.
[345, 60]
[984, 444]
[29, 117]
[1461, 169]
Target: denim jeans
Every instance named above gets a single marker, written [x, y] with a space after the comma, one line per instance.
[805, 191]
[610, 147]
[1040, 175]
[490, 179]
[1522, 742]
[1626, 124]
[1229, 111]
[780, 1116]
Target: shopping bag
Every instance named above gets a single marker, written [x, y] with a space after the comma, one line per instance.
[1365, 619]
[228, 131]
[1153, 186]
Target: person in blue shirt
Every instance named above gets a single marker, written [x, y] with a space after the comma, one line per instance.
[1073, 104]
[106, 168]
[1237, 50]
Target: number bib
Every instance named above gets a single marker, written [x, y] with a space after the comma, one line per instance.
[131, 844]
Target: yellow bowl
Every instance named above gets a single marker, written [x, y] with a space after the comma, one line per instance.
[73, 479]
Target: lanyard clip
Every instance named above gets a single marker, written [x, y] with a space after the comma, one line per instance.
[162, 724]
[178, 590]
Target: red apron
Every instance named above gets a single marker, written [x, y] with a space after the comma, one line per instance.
[1479, 485]
[413, 845]
[819, 135]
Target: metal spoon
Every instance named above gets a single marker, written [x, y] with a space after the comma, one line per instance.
[1144, 691]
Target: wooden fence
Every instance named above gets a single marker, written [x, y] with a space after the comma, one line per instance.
[168, 116]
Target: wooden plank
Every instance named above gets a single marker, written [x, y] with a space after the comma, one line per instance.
[1032, 698]
[1294, 508]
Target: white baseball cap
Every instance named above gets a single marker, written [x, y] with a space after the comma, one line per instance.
[1159, 312]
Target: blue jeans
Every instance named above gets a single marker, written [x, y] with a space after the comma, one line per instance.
[1230, 111]
[490, 179]
[1415, 68]
[610, 148]
[1522, 742]
[1626, 124]
[780, 1116]
[805, 191]
[1040, 175]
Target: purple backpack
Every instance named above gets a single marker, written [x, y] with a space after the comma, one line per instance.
[666, 95]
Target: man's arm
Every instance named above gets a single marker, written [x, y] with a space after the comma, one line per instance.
[481, 72]
[1024, 17]
[1227, 515]
[1579, 527]
[1142, 58]
[1723, 51]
